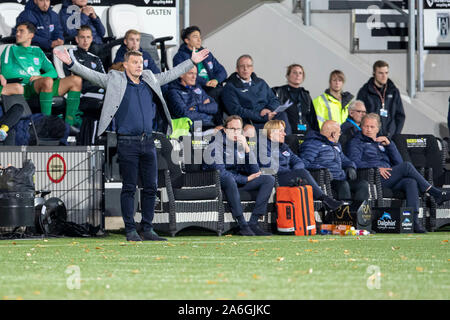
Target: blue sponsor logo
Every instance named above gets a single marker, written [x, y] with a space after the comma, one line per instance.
[386, 216]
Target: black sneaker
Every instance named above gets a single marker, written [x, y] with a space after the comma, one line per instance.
[444, 196]
[246, 231]
[258, 231]
[151, 235]
[331, 203]
[133, 236]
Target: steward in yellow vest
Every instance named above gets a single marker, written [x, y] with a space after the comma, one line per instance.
[333, 103]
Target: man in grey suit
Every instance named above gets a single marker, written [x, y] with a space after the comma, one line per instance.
[134, 100]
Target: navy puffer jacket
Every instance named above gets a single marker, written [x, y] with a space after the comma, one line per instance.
[229, 160]
[367, 153]
[318, 152]
[48, 26]
[246, 100]
[180, 99]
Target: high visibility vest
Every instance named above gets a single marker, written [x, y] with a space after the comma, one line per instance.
[329, 108]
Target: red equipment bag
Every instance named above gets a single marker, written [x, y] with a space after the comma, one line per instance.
[295, 208]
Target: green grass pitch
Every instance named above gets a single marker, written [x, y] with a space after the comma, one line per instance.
[206, 267]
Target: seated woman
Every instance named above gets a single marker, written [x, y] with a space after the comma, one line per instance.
[369, 151]
[288, 166]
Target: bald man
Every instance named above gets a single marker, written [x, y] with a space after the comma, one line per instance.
[322, 150]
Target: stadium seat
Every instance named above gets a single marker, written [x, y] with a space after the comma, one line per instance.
[8, 14]
[189, 196]
[121, 18]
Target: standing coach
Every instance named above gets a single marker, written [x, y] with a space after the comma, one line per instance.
[134, 99]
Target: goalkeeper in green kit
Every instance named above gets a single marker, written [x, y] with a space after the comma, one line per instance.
[21, 60]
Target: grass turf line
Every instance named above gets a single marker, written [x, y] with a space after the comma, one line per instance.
[381, 266]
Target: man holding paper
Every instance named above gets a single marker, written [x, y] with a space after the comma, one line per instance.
[250, 97]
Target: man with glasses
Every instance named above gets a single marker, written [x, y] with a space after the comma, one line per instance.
[239, 171]
[250, 97]
[356, 111]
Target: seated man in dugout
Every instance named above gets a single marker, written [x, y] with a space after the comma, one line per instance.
[239, 171]
[322, 150]
[351, 126]
[21, 60]
[368, 150]
[188, 99]
[49, 32]
[250, 97]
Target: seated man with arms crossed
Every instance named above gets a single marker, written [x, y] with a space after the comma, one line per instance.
[368, 150]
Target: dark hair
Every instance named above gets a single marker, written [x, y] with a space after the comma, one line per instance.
[84, 27]
[30, 27]
[231, 118]
[379, 64]
[186, 32]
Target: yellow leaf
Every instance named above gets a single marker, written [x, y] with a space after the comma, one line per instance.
[279, 259]
[346, 252]
[313, 241]
[87, 250]
[241, 294]
[419, 269]
[211, 282]
[256, 277]
[37, 293]
[135, 271]
[183, 257]
[395, 248]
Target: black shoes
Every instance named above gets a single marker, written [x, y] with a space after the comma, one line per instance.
[151, 235]
[133, 236]
[331, 203]
[444, 196]
[246, 231]
[258, 231]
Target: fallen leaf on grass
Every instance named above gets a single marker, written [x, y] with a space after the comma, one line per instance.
[37, 293]
[419, 269]
[313, 241]
[211, 282]
[241, 294]
[444, 241]
[395, 248]
[99, 248]
[183, 257]
[159, 258]
[135, 271]
[346, 252]
[256, 277]
[279, 259]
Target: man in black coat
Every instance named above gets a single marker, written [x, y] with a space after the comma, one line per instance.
[382, 97]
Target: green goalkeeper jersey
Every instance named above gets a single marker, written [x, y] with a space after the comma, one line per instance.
[25, 62]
